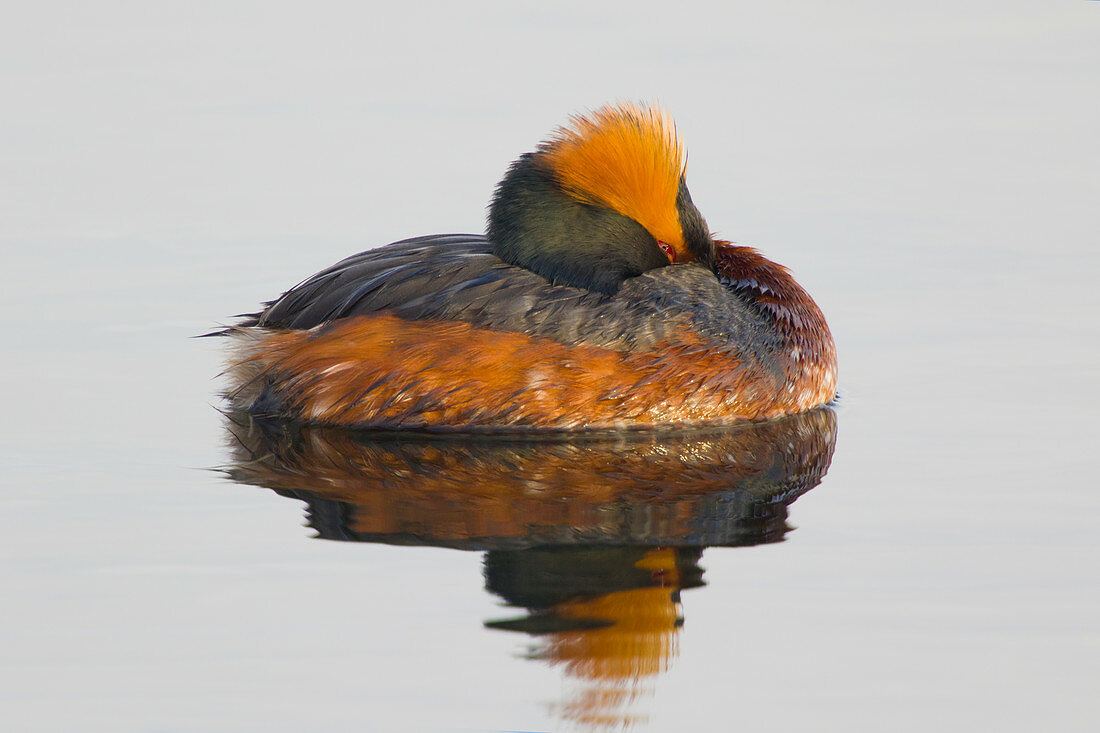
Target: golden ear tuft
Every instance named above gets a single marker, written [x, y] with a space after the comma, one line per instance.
[625, 158]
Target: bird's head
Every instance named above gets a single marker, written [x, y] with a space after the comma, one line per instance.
[602, 200]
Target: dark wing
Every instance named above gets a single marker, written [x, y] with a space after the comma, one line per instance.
[456, 277]
[380, 279]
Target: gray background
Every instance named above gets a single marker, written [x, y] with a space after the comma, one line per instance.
[928, 170]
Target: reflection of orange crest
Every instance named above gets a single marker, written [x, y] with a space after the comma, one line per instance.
[636, 644]
[639, 641]
[628, 159]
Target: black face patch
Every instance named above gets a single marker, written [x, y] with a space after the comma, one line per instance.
[534, 224]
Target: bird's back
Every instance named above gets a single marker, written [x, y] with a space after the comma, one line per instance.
[456, 277]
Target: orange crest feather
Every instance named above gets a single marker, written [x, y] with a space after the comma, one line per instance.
[625, 158]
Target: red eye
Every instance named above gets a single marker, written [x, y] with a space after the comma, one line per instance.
[670, 253]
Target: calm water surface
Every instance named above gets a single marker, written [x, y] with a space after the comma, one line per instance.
[922, 558]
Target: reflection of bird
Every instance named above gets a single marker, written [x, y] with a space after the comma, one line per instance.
[724, 486]
[593, 536]
[609, 616]
[597, 300]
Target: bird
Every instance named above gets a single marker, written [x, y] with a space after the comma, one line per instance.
[596, 300]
